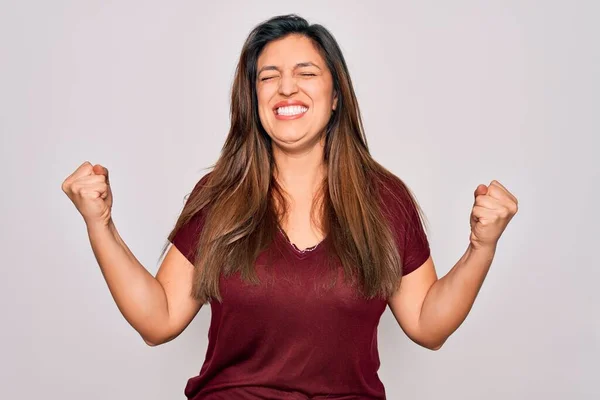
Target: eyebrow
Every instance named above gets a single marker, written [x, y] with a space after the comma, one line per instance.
[299, 65]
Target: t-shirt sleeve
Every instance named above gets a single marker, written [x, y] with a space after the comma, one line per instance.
[406, 224]
[416, 245]
[186, 238]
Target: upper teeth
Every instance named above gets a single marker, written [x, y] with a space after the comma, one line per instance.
[291, 110]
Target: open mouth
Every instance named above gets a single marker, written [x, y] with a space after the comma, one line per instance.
[287, 112]
[290, 111]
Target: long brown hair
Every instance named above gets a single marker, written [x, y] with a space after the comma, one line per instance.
[241, 203]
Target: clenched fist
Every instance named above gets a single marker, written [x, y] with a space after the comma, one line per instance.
[89, 190]
[493, 209]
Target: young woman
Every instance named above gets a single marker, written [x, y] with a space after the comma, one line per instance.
[297, 238]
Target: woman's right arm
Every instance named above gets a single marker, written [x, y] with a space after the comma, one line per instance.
[158, 308]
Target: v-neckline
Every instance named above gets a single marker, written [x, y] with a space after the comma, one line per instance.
[301, 253]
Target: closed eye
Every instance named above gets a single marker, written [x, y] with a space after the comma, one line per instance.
[266, 78]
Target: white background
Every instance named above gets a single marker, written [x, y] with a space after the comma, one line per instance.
[453, 94]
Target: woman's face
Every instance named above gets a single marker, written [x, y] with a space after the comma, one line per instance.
[295, 92]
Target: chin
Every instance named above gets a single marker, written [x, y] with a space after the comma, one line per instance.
[288, 139]
[290, 136]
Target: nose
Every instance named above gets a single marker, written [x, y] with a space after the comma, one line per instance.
[287, 85]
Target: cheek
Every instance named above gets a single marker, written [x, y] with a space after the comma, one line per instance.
[320, 93]
[260, 96]
[263, 97]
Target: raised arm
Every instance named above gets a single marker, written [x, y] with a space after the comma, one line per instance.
[160, 308]
[429, 309]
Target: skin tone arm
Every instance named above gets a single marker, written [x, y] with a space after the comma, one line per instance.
[429, 309]
[158, 308]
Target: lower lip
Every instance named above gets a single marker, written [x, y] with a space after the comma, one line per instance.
[288, 117]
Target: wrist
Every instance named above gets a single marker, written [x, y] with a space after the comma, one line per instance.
[481, 251]
[100, 227]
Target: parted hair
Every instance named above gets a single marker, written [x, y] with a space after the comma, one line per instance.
[242, 204]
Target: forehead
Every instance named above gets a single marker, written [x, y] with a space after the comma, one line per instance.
[289, 51]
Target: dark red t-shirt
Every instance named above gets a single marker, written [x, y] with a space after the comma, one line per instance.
[290, 339]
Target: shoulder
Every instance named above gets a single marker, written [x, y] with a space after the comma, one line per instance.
[194, 209]
[398, 202]
[199, 186]
[192, 198]
[392, 191]
[191, 220]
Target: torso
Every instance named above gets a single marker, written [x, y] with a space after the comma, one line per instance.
[289, 338]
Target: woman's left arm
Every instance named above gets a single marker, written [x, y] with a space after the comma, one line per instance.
[429, 309]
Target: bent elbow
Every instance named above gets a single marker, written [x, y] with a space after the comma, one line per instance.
[149, 343]
[435, 348]
[153, 341]
[158, 340]
[429, 344]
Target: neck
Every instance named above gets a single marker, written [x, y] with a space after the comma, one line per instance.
[301, 171]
